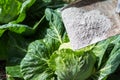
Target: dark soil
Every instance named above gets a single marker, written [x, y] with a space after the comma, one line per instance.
[2, 70]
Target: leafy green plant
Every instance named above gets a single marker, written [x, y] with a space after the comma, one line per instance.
[86, 63]
[9, 10]
[42, 49]
[71, 65]
[35, 45]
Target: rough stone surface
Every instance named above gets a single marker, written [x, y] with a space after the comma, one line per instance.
[85, 27]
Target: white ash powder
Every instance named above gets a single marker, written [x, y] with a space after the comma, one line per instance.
[85, 27]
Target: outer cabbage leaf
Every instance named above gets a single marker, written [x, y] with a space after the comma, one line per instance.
[13, 71]
[113, 59]
[109, 60]
[16, 48]
[17, 28]
[11, 9]
[55, 23]
[12, 47]
[13, 12]
[71, 65]
[110, 66]
[100, 49]
[12, 50]
[34, 65]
